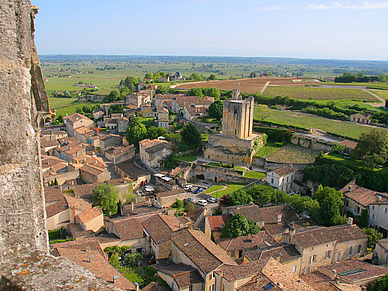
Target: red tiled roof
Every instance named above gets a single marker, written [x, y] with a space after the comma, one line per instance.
[285, 170]
[161, 226]
[90, 214]
[312, 236]
[283, 252]
[52, 194]
[347, 232]
[217, 223]
[199, 249]
[361, 195]
[129, 229]
[259, 240]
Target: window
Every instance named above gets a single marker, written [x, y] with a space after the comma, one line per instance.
[212, 287]
[232, 254]
[350, 250]
[346, 203]
[328, 255]
[313, 258]
[359, 249]
[385, 210]
[312, 248]
[357, 209]
[338, 257]
[271, 180]
[212, 276]
[294, 267]
[287, 179]
[373, 207]
[373, 216]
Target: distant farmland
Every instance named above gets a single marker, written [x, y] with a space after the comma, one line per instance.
[248, 85]
[314, 93]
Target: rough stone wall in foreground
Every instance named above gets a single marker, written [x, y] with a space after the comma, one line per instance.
[24, 106]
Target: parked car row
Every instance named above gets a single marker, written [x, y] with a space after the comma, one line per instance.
[194, 189]
[202, 202]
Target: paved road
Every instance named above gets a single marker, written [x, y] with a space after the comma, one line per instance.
[113, 175]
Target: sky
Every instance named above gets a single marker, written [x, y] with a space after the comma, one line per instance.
[317, 29]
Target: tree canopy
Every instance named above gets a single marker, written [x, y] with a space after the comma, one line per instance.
[136, 131]
[195, 92]
[212, 77]
[216, 109]
[240, 197]
[106, 197]
[330, 205]
[373, 145]
[212, 92]
[195, 77]
[238, 225]
[191, 136]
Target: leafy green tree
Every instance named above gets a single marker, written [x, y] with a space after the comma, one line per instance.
[162, 74]
[86, 109]
[216, 109]
[240, 197]
[373, 236]
[382, 78]
[261, 194]
[195, 77]
[237, 226]
[106, 197]
[212, 92]
[195, 92]
[331, 203]
[155, 132]
[338, 148]
[133, 260]
[135, 133]
[114, 261]
[303, 203]
[148, 76]
[67, 94]
[373, 145]
[156, 77]
[212, 77]
[59, 118]
[191, 136]
[380, 284]
[124, 92]
[55, 93]
[252, 75]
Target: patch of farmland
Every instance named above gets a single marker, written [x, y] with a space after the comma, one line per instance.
[302, 120]
[291, 153]
[316, 93]
[247, 85]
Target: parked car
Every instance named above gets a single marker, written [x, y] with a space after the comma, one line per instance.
[199, 189]
[191, 199]
[212, 200]
[188, 187]
[192, 189]
[202, 202]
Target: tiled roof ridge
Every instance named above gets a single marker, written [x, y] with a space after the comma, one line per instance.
[190, 231]
[159, 214]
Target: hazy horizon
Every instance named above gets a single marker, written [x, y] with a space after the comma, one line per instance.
[301, 29]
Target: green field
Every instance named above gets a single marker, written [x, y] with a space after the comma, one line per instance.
[291, 153]
[231, 188]
[315, 93]
[288, 118]
[381, 93]
[266, 150]
[254, 175]
[188, 158]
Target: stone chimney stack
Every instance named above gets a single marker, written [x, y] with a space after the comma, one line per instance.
[350, 220]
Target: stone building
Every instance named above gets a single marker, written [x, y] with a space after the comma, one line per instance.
[236, 143]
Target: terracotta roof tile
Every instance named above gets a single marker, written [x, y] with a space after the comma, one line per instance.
[90, 214]
[184, 275]
[259, 240]
[52, 194]
[313, 235]
[129, 229]
[251, 212]
[347, 232]
[284, 252]
[361, 195]
[171, 193]
[199, 249]
[285, 170]
[217, 223]
[56, 208]
[161, 226]
[156, 286]
[349, 143]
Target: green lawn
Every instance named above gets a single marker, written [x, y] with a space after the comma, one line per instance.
[381, 93]
[254, 175]
[306, 121]
[291, 153]
[188, 158]
[231, 188]
[352, 162]
[266, 150]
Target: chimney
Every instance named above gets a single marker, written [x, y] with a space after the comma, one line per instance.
[91, 259]
[115, 278]
[73, 214]
[280, 217]
[350, 220]
[132, 206]
[136, 286]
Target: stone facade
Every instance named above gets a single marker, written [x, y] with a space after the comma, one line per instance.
[237, 143]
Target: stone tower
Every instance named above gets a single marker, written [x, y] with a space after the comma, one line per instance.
[236, 143]
[238, 117]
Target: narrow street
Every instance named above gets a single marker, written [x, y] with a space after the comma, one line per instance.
[113, 175]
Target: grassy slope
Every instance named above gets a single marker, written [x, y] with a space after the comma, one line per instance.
[306, 121]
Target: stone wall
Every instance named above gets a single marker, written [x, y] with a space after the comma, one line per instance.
[314, 143]
[62, 177]
[238, 117]
[24, 108]
[91, 98]
[217, 174]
